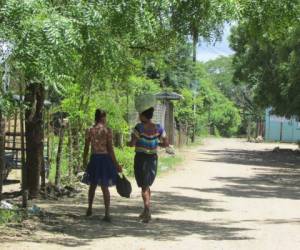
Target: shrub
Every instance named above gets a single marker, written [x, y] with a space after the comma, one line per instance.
[125, 157]
[8, 216]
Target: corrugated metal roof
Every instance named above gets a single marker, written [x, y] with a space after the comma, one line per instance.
[168, 96]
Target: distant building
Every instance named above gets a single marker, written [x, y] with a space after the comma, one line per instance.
[167, 109]
[281, 128]
[164, 115]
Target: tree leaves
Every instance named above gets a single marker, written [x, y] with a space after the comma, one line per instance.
[266, 42]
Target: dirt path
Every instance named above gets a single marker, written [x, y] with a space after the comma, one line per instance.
[229, 194]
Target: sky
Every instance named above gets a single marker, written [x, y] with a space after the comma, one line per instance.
[206, 52]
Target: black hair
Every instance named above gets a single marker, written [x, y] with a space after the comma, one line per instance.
[148, 113]
[99, 114]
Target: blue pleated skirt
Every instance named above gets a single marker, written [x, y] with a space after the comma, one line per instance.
[100, 171]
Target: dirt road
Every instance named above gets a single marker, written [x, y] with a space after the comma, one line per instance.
[228, 194]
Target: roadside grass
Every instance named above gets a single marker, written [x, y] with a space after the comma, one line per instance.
[125, 157]
[64, 169]
[198, 142]
[168, 162]
[10, 216]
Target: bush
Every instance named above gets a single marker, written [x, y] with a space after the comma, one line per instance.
[8, 216]
[125, 157]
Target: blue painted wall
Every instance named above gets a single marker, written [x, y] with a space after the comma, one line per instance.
[281, 128]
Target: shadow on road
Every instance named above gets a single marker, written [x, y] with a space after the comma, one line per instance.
[67, 221]
[282, 159]
[276, 174]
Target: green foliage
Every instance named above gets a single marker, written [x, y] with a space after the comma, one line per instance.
[101, 54]
[268, 18]
[221, 72]
[201, 18]
[207, 108]
[142, 85]
[221, 112]
[184, 111]
[267, 54]
[9, 216]
[43, 40]
[225, 117]
[125, 157]
[64, 158]
[6, 104]
[115, 110]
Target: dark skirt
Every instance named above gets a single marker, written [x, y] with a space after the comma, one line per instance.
[100, 171]
[145, 169]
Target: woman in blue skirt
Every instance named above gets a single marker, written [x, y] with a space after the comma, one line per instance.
[103, 167]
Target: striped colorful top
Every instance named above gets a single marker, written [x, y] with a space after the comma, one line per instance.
[148, 139]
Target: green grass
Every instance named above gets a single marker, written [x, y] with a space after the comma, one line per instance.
[168, 162]
[64, 159]
[198, 141]
[125, 157]
[9, 216]
[64, 169]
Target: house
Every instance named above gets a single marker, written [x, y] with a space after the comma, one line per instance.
[167, 109]
[281, 128]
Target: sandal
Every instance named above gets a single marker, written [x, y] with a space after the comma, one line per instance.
[89, 212]
[106, 218]
[147, 217]
[142, 215]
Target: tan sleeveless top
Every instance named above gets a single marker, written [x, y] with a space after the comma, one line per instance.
[100, 137]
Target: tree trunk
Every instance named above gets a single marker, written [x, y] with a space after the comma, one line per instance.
[43, 176]
[118, 139]
[249, 128]
[23, 160]
[58, 157]
[48, 143]
[2, 151]
[127, 103]
[195, 44]
[70, 153]
[24, 173]
[34, 98]
[76, 149]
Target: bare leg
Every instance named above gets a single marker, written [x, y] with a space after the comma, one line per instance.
[92, 190]
[146, 194]
[106, 198]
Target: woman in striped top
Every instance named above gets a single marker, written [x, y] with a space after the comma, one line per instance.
[146, 138]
